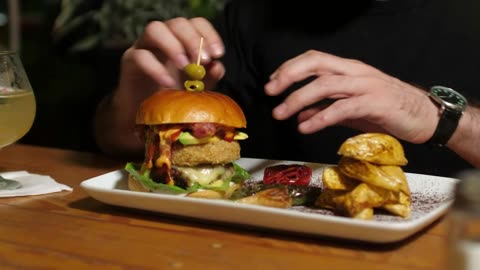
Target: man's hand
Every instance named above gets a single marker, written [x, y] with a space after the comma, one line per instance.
[364, 98]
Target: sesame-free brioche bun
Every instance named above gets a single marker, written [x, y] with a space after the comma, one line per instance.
[181, 106]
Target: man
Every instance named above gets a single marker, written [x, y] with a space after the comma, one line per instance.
[295, 62]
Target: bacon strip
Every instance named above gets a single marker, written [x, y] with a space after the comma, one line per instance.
[201, 130]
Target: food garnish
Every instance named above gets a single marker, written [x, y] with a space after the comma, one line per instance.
[280, 193]
[288, 174]
[299, 195]
[195, 73]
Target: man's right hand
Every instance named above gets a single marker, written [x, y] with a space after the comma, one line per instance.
[155, 61]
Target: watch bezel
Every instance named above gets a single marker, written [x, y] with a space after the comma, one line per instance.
[449, 112]
[448, 105]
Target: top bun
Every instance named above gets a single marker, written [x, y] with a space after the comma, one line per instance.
[181, 106]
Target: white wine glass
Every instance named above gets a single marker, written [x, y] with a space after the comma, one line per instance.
[17, 105]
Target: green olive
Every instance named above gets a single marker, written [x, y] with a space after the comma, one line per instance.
[194, 86]
[194, 71]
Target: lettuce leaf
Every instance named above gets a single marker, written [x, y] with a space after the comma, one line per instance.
[133, 169]
[240, 174]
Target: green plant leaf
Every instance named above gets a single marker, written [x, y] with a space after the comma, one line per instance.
[122, 21]
[86, 43]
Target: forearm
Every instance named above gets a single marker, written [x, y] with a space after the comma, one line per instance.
[466, 139]
[114, 126]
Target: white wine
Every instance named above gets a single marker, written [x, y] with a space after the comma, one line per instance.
[17, 112]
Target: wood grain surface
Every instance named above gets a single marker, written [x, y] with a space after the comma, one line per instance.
[70, 230]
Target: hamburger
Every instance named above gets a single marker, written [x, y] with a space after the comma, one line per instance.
[191, 142]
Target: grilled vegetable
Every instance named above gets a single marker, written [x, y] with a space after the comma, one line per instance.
[288, 174]
[301, 195]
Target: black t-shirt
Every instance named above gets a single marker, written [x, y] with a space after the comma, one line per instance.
[423, 42]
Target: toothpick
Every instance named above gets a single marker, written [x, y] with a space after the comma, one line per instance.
[200, 51]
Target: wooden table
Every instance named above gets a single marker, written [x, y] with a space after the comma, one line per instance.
[70, 230]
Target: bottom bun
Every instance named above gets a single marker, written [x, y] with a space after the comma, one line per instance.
[135, 185]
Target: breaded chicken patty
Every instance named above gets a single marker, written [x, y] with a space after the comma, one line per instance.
[220, 152]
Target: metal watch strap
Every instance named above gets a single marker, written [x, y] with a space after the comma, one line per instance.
[446, 127]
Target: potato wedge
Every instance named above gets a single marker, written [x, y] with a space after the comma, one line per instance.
[326, 199]
[404, 199]
[366, 213]
[374, 175]
[376, 148]
[396, 174]
[398, 209]
[334, 180]
[402, 208]
[365, 196]
[273, 197]
[355, 202]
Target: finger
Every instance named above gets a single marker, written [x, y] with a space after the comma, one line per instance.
[147, 63]
[332, 86]
[213, 43]
[338, 112]
[315, 63]
[308, 113]
[158, 36]
[216, 71]
[189, 37]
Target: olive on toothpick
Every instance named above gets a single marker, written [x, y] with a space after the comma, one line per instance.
[196, 73]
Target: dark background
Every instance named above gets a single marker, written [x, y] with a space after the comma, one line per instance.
[67, 84]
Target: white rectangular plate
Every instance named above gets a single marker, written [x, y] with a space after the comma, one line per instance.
[431, 198]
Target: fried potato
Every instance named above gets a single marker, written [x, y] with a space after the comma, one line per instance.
[402, 208]
[355, 202]
[381, 176]
[274, 197]
[368, 176]
[398, 209]
[376, 148]
[326, 199]
[404, 199]
[396, 174]
[365, 196]
[334, 180]
[366, 213]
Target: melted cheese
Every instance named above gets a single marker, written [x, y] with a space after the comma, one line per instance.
[207, 175]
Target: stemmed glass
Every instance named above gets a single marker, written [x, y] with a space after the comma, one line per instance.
[17, 105]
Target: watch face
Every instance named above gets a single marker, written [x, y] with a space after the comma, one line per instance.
[449, 97]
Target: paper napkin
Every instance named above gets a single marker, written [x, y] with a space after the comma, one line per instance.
[32, 184]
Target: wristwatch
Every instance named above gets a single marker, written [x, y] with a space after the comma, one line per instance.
[452, 105]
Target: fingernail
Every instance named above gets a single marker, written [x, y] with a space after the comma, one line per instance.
[217, 49]
[204, 56]
[182, 60]
[280, 110]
